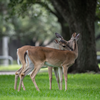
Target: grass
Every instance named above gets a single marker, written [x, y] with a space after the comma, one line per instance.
[80, 87]
[10, 67]
[15, 68]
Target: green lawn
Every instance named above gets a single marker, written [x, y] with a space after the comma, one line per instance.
[10, 67]
[15, 68]
[80, 87]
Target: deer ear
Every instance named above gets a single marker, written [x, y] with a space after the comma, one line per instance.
[58, 35]
[74, 35]
[77, 37]
[56, 41]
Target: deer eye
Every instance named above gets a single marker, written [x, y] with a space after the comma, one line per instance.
[64, 46]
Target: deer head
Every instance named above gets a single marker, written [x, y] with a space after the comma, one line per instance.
[69, 45]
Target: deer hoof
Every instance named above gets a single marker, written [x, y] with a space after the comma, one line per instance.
[37, 89]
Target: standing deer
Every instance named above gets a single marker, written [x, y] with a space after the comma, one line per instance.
[20, 55]
[58, 70]
[36, 57]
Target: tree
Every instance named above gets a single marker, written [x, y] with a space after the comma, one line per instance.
[32, 25]
[80, 16]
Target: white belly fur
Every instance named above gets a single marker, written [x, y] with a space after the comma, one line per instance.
[48, 64]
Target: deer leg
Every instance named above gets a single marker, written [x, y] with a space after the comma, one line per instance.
[22, 84]
[17, 74]
[60, 76]
[50, 77]
[21, 79]
[27, 71]
[65, 68]
[16, 77]
[56, 74]
[33, 74]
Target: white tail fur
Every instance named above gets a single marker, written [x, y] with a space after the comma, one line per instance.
[18, 61]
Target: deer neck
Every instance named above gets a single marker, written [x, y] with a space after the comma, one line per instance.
[75, 50]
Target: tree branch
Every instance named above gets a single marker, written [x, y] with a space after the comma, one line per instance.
[47, 7]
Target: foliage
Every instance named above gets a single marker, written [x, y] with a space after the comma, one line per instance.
[22, 7]
[80, 87]
[97, 33]
[98, 10]
[33, 11]
[27, 23]
[3, 12]
[97, 24]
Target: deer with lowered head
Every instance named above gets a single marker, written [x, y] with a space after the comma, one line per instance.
[20, 56]
[36, 57]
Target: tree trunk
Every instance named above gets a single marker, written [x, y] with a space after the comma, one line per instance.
[65, 30]
[80, 17]
[64, 25]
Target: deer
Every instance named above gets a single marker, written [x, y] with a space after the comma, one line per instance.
[20, 56]
[58, 71]
[38, 56]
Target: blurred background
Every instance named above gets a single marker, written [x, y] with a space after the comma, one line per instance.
[37, 28]
[24, 22]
